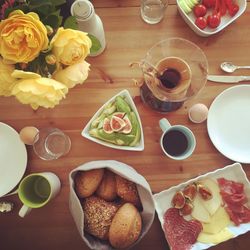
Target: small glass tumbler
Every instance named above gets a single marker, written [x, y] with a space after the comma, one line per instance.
[51, 143]
[152, 11]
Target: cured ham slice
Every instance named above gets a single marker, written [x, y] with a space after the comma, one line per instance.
[180, 233]
[234, 198]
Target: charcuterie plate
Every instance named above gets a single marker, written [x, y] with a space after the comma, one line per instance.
[208, 236]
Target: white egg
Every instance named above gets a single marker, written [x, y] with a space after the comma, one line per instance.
[198, 113]
[27, 135]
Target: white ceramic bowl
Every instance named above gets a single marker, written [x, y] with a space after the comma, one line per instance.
[231, 172]
[128, 98]
[225, 20]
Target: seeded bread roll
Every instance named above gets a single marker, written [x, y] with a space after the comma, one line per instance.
[98, 215]
[86, 182]
[127, 190]
[107, 188]
[126, 226]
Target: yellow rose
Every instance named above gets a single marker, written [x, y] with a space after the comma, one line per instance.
[22, 37]
[70, 46]
[38, 91]
[72, 75]
[6, 80]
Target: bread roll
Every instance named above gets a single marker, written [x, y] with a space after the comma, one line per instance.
[127, 190]
[86, 182]
[125, 227]
[107, 188]
[98, 215]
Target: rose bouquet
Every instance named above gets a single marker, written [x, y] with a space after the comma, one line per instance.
[39, 59]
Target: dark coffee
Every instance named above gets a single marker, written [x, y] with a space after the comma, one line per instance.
[170, 78]
[175, 142]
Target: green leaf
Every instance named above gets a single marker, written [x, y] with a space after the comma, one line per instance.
[53, 21]
[96, 45]
[70, 23]
[58, 2]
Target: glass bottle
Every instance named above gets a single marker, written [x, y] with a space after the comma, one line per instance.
[88, 21]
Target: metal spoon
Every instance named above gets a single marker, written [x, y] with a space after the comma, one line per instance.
[230, 68]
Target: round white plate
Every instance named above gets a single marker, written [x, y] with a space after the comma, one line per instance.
[13, 158]
[228, 123]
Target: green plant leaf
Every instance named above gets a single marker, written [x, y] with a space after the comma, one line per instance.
[70, 23]
[53, 21]
[96, 45]
[58, 2]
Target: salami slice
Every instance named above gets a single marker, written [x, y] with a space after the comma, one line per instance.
[180, 233]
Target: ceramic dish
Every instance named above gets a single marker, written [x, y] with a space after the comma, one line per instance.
[126, 172]
[228, 123]
[225, 20]
[129, 100]
[231, 172]
[13, 158]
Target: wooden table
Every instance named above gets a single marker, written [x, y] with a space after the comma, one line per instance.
[128, 39]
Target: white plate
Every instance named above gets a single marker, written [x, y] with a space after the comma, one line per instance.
[228, 123]
[225, 20]
[128, 98]
[13, 158]
[232, 172]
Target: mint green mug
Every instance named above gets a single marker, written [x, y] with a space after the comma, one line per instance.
[36, 190]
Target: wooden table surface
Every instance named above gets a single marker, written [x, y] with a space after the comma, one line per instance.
[128, 39]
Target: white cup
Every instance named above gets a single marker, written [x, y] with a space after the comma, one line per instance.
[36, 190]
[177, 142]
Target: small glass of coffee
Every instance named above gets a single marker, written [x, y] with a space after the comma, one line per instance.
[174, 70]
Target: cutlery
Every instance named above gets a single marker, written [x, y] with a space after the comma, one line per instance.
[228, 79]
[230, 68]
[6, 206]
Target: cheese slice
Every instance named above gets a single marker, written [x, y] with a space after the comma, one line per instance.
[218, 221]
[217, 238]
[213, 204]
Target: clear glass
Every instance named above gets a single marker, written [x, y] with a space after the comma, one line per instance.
[51, 143]
[181, 55]
[152, 11]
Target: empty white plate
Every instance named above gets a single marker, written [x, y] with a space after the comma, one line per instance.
[228, 123]
[129, 100]
[13, 158]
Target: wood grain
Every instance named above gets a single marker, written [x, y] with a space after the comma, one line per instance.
[128, 39]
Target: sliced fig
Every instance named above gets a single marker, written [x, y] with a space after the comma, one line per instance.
[204, 192]
[128, 127]
[106, 126]
[119, 114]
[178, 200]
[187, 208]
[117, 124]
[190, 191]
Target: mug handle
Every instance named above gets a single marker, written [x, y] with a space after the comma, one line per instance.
[164, 124]
[24, 211]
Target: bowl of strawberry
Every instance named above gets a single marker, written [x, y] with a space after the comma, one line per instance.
[208, 17]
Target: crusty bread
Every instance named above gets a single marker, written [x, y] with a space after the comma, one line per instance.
[98, 215]
[125, 227]
[127, 190]
[107, 188]
[86, 182]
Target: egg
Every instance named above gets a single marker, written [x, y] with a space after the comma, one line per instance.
[198, 113]
[27, 135]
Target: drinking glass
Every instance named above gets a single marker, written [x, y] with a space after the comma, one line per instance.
[152, 11]
[51, 143]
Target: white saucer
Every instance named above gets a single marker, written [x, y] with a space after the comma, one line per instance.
[13, 158]
[228, 123]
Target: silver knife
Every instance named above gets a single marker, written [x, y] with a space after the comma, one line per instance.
[228, 79]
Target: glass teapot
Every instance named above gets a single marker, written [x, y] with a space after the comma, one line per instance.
[174, 70]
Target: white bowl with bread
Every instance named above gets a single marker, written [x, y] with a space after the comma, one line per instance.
[112, 205]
